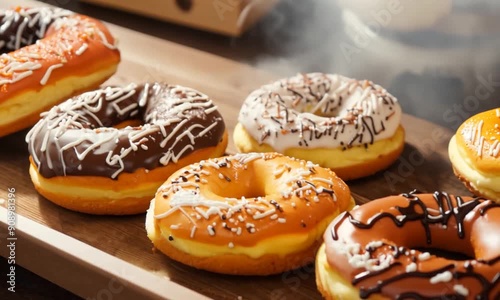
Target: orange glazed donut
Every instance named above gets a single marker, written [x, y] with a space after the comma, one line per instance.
[378, 250]
[84, 156]
[54, 54]
[350, 126]
[475, 154]
[247, 214]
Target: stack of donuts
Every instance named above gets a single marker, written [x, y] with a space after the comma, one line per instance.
[160, 149]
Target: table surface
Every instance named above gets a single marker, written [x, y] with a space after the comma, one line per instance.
[251, 48]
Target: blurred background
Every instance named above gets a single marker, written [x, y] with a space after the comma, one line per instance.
[440, 58]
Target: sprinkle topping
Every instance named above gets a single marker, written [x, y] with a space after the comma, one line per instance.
[70, 35]
[320, 110]
[241, 215]
[77, 137]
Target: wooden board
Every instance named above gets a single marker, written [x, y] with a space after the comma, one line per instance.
[94, 256]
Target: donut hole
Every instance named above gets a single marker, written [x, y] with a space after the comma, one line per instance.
[242, 188]
[451, 255]
[234, 185]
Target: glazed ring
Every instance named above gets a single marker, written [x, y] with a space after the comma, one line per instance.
[85, 156]
[474, 152]
[380, 250]
[52, 55]
[350, 126]
[247, 214]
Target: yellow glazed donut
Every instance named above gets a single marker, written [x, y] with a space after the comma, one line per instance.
[379, 250]
[247, 214]
[474, 152]
[350, 126]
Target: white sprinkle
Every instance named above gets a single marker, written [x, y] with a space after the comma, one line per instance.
[281, 220]
[460, 289]
[293, 204]
[274, 217]
[192, 232]
[316, 199]
[424, 256]
[446, 276]
[238, 231]
[174, 226]
[259, 215]
[221, 176]
[411, 267]
[46, 77]
[82, 49]
[211, 230]
[240, 217]
[230, 245]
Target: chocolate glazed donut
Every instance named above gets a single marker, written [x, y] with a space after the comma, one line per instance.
[90, 137]
[22, 27]
[77, 138]
[377, 248]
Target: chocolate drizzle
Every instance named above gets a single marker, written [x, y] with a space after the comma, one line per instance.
[23, 27]
[77, 137]
[419, 210]
[320, 110]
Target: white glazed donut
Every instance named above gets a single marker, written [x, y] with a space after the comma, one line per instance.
[350, 126]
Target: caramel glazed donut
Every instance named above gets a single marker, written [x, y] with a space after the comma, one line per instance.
[72, 53]
[350, 126]
[368, 252]
[80, 162]
[247, 214]
[474, 152]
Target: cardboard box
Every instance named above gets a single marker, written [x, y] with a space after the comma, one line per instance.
[228, 17]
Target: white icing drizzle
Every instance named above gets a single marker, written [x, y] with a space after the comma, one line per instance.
[320, 110]
[33, 26]
[82, 49]
[45, 77]
[472, 132]
[67, 128]
[237, 215]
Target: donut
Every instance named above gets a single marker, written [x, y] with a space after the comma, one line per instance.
[350, 126]
[246, 214]
[107, 151]
[395, 248]
[49, 54]
[474, 152]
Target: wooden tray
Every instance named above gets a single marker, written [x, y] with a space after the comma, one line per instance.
[102, 257]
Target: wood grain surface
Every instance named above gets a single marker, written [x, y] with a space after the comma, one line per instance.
[424, 166]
